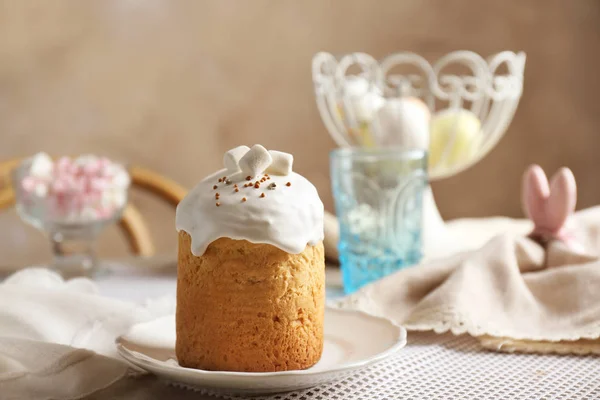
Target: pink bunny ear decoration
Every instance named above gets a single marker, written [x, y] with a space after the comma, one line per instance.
[549, 205]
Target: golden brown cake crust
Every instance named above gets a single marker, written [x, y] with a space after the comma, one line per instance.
[249, 307]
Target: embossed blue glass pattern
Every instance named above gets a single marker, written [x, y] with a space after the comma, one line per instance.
[378, 199]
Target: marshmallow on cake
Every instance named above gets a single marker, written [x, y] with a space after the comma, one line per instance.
[251, 268]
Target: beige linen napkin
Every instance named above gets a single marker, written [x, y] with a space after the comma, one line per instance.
[513, 294]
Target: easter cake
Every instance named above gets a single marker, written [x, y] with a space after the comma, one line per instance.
[251, 269]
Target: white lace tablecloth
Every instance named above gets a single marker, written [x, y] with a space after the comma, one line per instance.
[431, 366]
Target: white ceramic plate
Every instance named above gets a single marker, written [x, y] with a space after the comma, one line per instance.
[353, 340]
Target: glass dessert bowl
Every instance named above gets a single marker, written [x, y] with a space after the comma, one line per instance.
[72, 201]
[456, 108]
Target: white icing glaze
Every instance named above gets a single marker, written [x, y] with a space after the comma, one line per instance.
[288, 217]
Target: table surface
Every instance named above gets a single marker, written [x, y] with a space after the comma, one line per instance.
[431, 366]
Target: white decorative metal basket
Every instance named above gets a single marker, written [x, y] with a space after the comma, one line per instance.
[481, 94]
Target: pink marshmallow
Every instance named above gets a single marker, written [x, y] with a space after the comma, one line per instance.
[104, 164]
[63, 164]
[60, 186]
[99, 184]
[79, 184]
[92, 168]
[75, 188]
[28, 184]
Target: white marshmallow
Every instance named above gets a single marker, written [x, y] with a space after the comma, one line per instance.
[87, 214]
[40, 189]
[121, 179]
[119, 198]
[231, 159]
[282, 163]
[113, 199]
[41, 166]
[255, 161]
[107, 199]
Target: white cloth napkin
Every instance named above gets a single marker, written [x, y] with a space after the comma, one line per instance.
[57, 337]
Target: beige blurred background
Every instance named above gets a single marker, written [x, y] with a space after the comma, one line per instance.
[171, 84]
